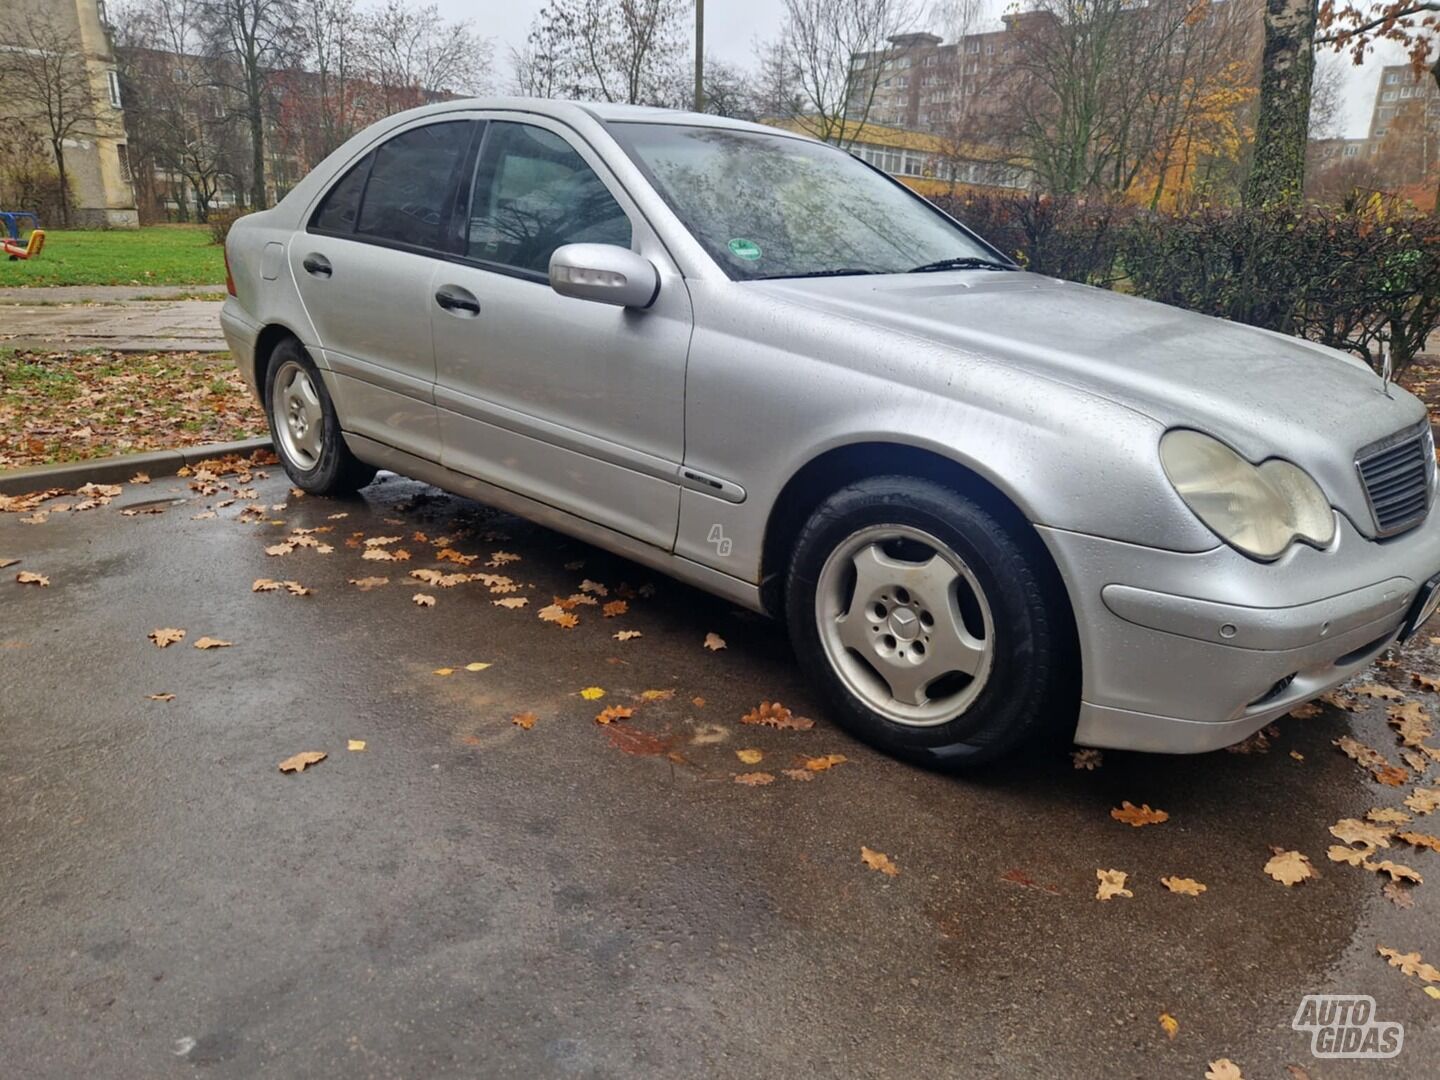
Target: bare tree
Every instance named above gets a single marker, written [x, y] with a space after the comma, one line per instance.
[777, 84]
[331, 31]
[610, 50]
[839, 49]
[251, 40]
[411, 54]
[44, 75]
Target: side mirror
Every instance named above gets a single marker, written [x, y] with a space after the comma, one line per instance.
[604, 272]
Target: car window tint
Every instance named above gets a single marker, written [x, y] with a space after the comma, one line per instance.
[532, 194]
[341, 205]
[405, 198]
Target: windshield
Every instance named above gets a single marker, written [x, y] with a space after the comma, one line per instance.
[769, 206]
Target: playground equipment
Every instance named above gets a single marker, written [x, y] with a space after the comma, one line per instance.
[11, 244]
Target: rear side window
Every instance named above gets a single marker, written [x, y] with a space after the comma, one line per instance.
[533, 193]
[341, 206]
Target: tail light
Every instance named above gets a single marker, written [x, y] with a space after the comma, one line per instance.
[229, 281]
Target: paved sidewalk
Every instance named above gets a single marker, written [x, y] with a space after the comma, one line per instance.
[112, 317]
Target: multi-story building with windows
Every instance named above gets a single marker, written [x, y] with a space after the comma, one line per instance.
[96, 155]
[1405, 125]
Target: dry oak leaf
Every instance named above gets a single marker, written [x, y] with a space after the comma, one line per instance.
[1289, 867]
[1420, 840]
[592, 693]
[1383, 693]
[1354, 831]
[1426, 682]
[476, 665]
[614, 609]
[1353, 856]
[379, 541]
[1397, 871]
[1410, 964]
[264, 584]
[421, 599]
[443, 671]
[829, 761]
[1387, 815]
[657, 695]
[166, 636]
[798, 774]
[1137, 816]
[878, 860]
[750, 756]
[1183, 885]
[1308, 711]
[511, 603]
[140, 478]
[1112, 884]
[754, 779]
[1398, 894]
[7, 562]
[1223, 1069]
[773, 714]
[354, 744]
[614, 712]
[162, 697]
[1089, 760]
[714, 642]
[500, 558]
[282, 548]
[302, 761]
[627, 635]
[588, 586]
[525, 720]
[1423, 800]
[554, 613]
[25, 577]
[294, 588]
[698, 702]
[365, 584]
[1169, 1025]
[212, 643]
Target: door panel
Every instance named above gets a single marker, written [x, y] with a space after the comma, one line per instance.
[575, 403]
[363, 273]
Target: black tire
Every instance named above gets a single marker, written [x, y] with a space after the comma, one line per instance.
[335, 470]
[1031, 686]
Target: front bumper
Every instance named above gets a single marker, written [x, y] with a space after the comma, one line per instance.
[1187, 652]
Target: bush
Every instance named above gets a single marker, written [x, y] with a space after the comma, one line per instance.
[28, 179]
[1062, 236]
[1362, 277]
[220, 222]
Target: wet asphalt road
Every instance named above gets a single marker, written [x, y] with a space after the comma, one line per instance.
[467, 898]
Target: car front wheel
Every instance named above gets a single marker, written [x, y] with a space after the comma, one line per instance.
[305, 429]
[928, 622]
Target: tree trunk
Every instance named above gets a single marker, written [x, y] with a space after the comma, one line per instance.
[59, 149]
[1278, 171]
[257, 144]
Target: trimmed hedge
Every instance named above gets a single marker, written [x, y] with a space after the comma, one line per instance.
[1355, 278]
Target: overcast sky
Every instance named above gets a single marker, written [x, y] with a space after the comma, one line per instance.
[733, 26]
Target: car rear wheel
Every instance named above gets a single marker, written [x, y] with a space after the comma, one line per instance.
[305, 429]
[928, 623]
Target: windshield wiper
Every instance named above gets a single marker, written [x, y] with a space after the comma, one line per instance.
[847, 271]
[964, 262]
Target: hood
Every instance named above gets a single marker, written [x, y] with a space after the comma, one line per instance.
[1266, 394]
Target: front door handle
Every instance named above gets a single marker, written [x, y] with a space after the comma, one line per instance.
[317, 265]
[457, 301]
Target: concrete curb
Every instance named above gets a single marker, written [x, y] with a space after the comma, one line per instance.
[116, 470]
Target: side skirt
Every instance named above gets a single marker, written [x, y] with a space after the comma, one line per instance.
[692, 573]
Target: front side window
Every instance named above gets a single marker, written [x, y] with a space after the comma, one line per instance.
[769, 206]
[534, 193]
[405, 196]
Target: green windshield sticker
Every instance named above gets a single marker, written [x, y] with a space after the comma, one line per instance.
[745, 249]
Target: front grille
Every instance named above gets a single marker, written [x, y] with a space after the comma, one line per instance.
[1396, 476]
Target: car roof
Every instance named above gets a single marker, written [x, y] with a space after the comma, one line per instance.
[604, 112]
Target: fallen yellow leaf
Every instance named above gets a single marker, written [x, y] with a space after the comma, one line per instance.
[1223, 1069]
[1112, 884]
[614, 608]
[443, 671]
[750, 756]
[1289, 867]
[626, 635]
[524, 720]
[714, 642]
[476, 666]
[264, 584]
[878, 860]
[614, 712]
[1411, 964]
[511, 603]
[1423, 800]
[592, 693]
[754, 779]
[162, 697]
[1136, 816]
[1183, 885]
[1354, 831]
[365, 584]
[423, 600]
[212, 643]
[829, 761]
[354, 744]
[25, 577]
[302, 761]
[166, 636]
[1169, 1025]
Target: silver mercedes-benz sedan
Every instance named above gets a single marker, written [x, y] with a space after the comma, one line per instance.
[988, 504]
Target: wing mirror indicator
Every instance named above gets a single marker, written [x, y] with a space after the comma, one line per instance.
[605, 273]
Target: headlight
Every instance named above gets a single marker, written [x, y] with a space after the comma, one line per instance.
[1260, 509]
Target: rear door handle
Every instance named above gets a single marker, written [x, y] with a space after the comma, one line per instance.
[457, 301]
[317, 265]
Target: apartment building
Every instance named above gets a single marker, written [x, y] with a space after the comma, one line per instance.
[1405, 125]
[96, 154]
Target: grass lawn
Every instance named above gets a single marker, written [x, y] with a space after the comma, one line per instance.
[155, 255]
[67, 406]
